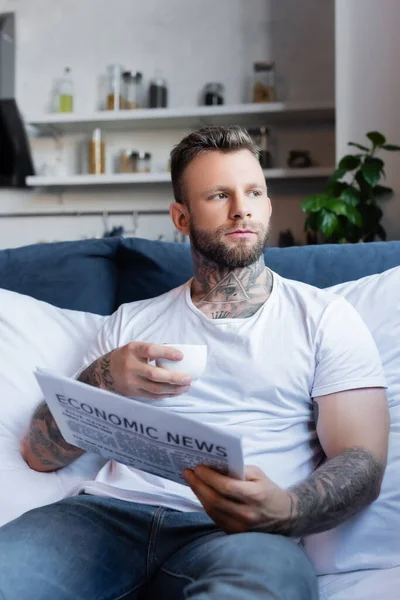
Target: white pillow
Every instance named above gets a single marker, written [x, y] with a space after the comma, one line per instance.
[371, 539]
[35, 334]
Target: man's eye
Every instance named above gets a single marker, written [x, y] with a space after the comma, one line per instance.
[256, 193]
[219, 196]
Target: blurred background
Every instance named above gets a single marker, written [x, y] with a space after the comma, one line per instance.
[94, 94]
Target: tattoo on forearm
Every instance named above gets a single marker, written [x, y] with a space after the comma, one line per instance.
[105, 372]
[335, 491]
[46, 442]
[98, 374]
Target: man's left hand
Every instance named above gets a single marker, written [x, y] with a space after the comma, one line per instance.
[238, 506]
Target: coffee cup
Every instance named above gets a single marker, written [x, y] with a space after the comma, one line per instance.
[193, 363]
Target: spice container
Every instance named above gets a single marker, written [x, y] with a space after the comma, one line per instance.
[66, 92]
[213, 94]
[264, 89]
[97, 154]
[132, 90]
[115, 100]
[125, 161]
[141, 162]
[158, 93]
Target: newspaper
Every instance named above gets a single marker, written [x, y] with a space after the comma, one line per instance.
[137, 434]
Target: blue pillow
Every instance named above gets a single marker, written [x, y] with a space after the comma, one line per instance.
[78, 275]
[328, 264]
[148, 269]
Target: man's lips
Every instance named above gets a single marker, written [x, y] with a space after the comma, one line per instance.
[241, 233]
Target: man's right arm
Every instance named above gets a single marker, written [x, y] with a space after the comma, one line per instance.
[43, 447]
[124, 371]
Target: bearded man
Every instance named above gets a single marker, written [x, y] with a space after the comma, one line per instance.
[292, 369]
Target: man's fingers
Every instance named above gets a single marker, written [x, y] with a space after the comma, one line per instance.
[231, 516]
[153, 351]
[160, 375]
[207, 495]
[226, 486]
[161, 389]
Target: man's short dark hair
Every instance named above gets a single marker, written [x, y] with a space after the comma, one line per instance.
[207, 139]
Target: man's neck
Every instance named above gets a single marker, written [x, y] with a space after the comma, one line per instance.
[222, 293]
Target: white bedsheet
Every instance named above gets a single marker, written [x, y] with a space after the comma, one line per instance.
[382, 584]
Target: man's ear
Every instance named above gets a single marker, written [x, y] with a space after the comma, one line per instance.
[180, 217]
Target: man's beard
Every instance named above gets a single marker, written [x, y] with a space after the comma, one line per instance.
[211, 245]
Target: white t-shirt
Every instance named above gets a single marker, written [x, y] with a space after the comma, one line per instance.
[261, 376]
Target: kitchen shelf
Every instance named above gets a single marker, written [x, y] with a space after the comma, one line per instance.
[155, 178]
[273, 113]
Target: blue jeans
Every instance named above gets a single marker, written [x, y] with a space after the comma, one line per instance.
[93, 548]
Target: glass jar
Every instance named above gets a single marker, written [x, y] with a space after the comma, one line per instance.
[214, 94]
[141, 162]
[158, 92]
[264, 85]
[132, 90]
[115, 100]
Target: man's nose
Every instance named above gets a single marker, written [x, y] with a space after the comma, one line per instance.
[240, 208]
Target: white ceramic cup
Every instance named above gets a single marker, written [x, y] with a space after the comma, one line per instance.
[193, 363]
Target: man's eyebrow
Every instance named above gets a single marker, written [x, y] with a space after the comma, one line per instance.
[227, 189]
[256, 184]
[217, 188]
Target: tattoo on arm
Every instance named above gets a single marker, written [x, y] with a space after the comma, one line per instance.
[334, 492]
[44, 447]
[98, 374]
[45, 443]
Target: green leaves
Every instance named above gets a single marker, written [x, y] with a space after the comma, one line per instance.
[358, 146]
[349, 162]
[350, 195]
[391, 147]
[337, 174]
[347, 210]
[329, 222]
[376, 138]
[371, 170]
[382, 191]
[313, 203]
[330, 209]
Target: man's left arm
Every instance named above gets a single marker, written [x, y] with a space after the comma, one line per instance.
[353, 428]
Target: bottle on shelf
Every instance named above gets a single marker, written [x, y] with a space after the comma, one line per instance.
[158, 92]
[132, 90]
[115, 100]
[66, 92]
[97, 154]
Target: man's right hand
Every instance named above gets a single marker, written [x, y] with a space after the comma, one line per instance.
[127, 371]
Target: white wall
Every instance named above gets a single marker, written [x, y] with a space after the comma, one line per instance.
[192, 42]
[368, 84]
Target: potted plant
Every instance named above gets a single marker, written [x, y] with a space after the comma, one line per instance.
[347, 210]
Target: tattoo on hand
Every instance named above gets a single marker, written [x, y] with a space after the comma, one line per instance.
[334, 492]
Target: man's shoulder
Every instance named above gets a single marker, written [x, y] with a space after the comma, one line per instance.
[306, 294]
